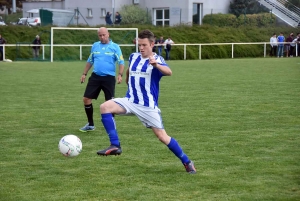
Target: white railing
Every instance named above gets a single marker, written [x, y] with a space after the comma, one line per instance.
[200, 45]
[278, 8]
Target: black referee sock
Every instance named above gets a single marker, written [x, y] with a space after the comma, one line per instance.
[89, 114]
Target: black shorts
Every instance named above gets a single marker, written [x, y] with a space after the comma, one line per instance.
[97, 83]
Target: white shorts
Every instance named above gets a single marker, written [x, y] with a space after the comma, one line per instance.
[150, 117]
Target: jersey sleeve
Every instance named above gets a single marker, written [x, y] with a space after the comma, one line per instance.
[119, 55]
[91, 56]
[130, 59]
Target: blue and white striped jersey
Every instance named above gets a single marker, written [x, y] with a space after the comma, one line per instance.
[143, 82]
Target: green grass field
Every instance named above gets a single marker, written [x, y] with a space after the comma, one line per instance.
[238, 120]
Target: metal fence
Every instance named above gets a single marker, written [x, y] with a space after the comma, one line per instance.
[264, 47]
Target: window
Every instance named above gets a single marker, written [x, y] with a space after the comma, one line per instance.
[197, 13]
[90, 13]
[161, 17]
[103, 12]
[76, 12]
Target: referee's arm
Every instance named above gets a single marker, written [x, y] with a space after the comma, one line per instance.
[88, 66]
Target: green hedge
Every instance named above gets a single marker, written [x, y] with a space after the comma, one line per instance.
[179, 34]
[256, 20]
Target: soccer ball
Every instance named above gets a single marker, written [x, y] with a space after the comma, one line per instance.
[70, 145]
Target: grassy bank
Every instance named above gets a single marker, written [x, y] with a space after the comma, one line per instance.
[179, 34]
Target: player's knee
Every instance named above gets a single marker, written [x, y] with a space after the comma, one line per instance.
[87, 101]
[104, 107]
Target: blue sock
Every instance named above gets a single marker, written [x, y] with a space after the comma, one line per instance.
[110, 127]
[176, 149]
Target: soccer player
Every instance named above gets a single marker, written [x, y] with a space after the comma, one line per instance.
[143, 75]
[104, 55]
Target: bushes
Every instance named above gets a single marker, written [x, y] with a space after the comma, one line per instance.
[179, 34]
[256, 20]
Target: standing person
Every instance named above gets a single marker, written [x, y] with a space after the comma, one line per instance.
[2, 41]
[104, 54]
[161, 42]
[36, 49]
[108, 19]
[293, 45]
[298, 45]
[168, 44]
[289, 39]
[273, 43]
[143, 75]
[118, 19]
[154, 46]
[280, 40]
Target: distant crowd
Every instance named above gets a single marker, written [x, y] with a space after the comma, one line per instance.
[160, 44]
[287, 46]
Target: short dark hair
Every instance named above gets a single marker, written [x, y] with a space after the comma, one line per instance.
[146, 34]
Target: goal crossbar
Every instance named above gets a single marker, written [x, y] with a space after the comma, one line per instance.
[77, 28]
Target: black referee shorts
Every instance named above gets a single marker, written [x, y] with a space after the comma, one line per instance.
[97, 83]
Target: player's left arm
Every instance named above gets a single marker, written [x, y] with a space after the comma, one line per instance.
[162, 68]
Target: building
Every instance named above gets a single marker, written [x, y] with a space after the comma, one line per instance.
[163, 12]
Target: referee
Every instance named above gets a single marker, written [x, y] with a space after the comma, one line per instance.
[104, 54]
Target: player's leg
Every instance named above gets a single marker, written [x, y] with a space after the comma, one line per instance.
[107, 109]
[92, 91]
[151, 118]
[175, 148]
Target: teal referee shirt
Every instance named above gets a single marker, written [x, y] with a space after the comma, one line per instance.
[104, 58]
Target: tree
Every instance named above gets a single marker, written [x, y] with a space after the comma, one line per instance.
[291, 5]
[132, 14]
[239, 7]
[295, 2]
[8, 4]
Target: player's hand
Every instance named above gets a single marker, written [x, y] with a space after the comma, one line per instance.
[82, 79]
[119, 79]
[152, 61]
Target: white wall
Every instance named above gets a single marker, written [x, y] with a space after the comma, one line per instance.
[181, 11]
[186, 8]
[33, 5]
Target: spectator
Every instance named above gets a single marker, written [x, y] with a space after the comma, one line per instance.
[160, 41]
[168, 44]
[36, 49]
[298, 44]
[280, 40]
[2, 41]
[118, 19]
[287, 45]
[108, 19]
[154, 47]
[273, 43]
[293, 45]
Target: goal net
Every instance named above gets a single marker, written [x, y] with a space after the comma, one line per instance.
[74, 44]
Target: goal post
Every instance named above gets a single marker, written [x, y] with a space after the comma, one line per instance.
[124, 30]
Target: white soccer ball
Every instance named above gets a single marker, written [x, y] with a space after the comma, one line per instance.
[70, 145]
